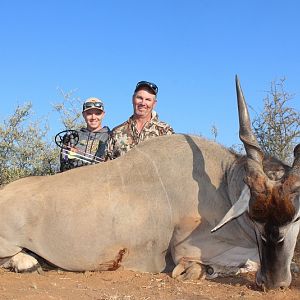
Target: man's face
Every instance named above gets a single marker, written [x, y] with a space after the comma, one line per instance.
[143, 103]
[93, 118]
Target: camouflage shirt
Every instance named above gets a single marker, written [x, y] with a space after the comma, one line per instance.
[126, 136]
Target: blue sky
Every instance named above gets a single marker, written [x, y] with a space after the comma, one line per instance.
[191, 49]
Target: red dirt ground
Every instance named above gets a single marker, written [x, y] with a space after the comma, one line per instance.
[129, 285]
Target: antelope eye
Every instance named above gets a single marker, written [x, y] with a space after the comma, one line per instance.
[297, 219]
[280, 240]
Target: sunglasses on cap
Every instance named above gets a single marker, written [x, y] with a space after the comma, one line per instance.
[151, 85]
[88, 105]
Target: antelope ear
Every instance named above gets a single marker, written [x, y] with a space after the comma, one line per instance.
[238, 208]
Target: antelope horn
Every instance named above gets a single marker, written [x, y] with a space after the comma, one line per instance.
[246, 135]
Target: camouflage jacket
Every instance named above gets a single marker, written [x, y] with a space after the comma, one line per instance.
[126, 136]
[90, 149]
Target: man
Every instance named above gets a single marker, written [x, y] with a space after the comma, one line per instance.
[88, 145]
[142, 125]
